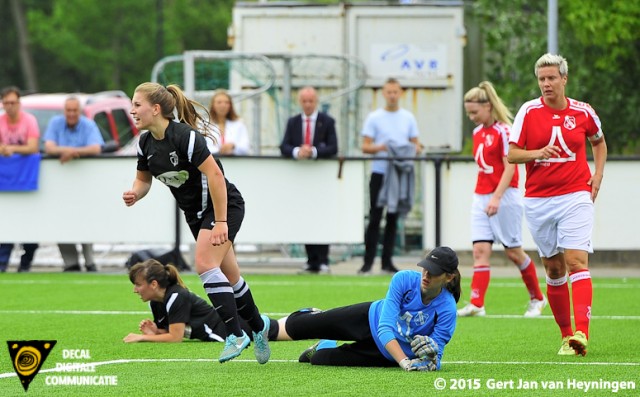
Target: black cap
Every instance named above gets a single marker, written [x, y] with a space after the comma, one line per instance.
[440, 260]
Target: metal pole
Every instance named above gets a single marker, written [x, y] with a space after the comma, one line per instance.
[438, 170]
[552, 26]
[286, 87]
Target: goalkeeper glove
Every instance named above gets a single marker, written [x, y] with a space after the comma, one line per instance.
[418, 365]
[424, 347]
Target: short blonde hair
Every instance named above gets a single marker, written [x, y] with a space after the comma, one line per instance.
[552, 60]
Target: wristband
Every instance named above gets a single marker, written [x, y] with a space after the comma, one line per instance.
[219, 222]
[405, 363]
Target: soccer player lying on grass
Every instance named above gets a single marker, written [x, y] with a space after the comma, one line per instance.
[177, 312]
[409, 327]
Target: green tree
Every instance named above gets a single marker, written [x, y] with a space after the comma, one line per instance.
[91, 46]
[601, 41]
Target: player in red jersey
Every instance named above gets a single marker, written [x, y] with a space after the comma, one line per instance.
[549, 135]
[496, 213]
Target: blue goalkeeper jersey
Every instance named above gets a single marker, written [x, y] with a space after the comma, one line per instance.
[401, 315]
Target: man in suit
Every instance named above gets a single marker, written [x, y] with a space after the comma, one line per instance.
[311, 135]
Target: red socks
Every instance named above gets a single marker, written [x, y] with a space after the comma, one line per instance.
[530, 278]
[560, 303]
[479, 284]
[582, 295]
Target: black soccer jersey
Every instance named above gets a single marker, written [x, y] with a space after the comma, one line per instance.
[174, 161]
[183, 306]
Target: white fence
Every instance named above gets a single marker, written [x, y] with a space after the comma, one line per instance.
[286, 202]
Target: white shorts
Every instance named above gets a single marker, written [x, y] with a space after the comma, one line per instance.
[505, 226]
[560, 222]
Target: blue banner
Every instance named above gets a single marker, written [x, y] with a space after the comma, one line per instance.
[19, 173]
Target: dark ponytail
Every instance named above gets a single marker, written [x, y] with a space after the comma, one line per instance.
[453, 286]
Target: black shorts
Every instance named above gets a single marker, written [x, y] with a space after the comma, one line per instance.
[348, 323]
[235, 215]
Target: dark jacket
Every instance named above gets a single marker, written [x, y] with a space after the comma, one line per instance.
[325, 139]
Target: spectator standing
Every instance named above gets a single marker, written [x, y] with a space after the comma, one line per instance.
[233, 138]
[19, 134]
[549, 135]
[387, 132]
[311, 135]
[70, 136]
[496, 212]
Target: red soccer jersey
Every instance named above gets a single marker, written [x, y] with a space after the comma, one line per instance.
[536, 125]
[490, 146]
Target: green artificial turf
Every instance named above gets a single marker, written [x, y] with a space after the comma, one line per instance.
[488, 356]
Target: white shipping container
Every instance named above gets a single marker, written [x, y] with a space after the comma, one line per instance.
[419, 44]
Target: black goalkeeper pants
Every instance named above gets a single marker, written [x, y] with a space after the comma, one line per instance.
[348, 323]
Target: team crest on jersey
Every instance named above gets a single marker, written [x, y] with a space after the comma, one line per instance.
[174, 178]
[569, 122]
[173, 157]
[488, 140]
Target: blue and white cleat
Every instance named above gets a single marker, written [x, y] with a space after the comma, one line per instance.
[261, 340]
[233, 346]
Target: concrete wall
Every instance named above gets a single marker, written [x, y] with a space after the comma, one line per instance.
[81, 201]
[287, 202]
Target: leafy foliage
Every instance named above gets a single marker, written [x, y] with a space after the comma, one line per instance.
[599, 38]
[91, 46]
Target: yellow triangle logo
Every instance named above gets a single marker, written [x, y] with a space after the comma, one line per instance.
[27, 357]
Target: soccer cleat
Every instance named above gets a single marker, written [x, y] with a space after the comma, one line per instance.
[535, 307]
[566, 349]
[306, 355]
[233, 346]
[472, 310]
[261, 340]
[578, 343]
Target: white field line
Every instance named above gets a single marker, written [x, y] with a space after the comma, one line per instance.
[325, 282]
[174, 360]
[271, 314]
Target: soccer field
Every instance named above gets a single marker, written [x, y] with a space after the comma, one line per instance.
[502, 354]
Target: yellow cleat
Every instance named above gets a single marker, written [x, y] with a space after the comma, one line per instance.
[566, 349]
[578, 342]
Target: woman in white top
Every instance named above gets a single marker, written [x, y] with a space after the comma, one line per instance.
[233, 138]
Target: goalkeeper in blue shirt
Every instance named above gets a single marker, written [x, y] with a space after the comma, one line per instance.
[409, 327]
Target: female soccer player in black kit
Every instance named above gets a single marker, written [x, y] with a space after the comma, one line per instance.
[176, 154]
[177, 312]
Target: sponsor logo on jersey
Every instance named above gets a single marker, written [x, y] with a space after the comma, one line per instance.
[421, 318]
[174, 178]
